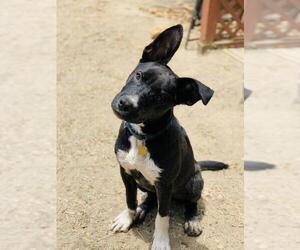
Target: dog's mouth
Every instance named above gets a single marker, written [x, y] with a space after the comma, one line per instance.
[127, 116]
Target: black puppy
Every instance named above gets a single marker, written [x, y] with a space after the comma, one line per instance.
[153, 150]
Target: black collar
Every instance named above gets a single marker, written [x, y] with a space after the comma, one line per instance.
[146, 136]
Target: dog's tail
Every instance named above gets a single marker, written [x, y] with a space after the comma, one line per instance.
[212, 165]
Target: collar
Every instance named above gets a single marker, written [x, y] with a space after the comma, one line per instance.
[144, 136]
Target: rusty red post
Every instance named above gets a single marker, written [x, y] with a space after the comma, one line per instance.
[209, 18]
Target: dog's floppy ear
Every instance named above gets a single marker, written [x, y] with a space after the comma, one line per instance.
[164, 46]
[189, 91]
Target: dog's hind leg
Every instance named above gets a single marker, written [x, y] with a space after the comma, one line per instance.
[146, 206]
[194, 189]
[192, 225]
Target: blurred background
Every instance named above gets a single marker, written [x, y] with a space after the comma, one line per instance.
[272, 124]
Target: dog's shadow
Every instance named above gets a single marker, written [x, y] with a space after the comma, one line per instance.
[178, 239]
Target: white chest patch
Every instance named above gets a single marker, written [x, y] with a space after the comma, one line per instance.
[133, 160]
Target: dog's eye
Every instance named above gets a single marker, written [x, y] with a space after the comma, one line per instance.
[138, 75]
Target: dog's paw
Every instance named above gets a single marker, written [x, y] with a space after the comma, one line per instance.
[123, 221]
[140, 215]
[161, 244]
[192, 227]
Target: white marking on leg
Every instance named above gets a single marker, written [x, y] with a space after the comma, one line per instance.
[161, 240]
[134, 99]
[132, 160]
[140, 213]
[123, 221]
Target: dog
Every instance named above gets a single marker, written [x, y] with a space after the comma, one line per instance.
[153, 150]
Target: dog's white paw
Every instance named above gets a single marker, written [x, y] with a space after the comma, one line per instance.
[161, 243]
[192, 227]
[123, 221]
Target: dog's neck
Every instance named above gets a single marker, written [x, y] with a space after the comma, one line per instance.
[153, 127]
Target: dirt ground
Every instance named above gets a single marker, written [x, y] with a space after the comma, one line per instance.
[99, 44]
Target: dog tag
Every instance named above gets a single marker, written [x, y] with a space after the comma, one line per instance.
[142, 150]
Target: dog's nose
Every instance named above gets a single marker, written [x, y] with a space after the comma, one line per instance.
[125, 104]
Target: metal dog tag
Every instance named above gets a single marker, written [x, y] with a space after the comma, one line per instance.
[142, 150]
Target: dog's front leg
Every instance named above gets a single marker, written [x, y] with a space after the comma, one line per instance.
[125, 219]
[161, 240]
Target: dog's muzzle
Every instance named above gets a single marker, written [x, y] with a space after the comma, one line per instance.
[125, 107]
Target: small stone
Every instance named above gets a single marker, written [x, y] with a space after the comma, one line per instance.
[220, 197]
[184, 244]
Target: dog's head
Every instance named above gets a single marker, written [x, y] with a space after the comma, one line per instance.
[152, 88]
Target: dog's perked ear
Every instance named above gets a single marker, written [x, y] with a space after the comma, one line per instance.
[163, 48]
[189, 91]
